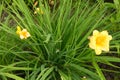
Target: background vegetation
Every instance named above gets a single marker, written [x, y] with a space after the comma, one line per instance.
[58, 46]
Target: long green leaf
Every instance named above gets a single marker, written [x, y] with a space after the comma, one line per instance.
[80, 68]
[12, 76]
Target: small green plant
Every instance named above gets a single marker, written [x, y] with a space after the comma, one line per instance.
[54, 45]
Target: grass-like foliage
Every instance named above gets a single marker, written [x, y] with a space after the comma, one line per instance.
[57, 48]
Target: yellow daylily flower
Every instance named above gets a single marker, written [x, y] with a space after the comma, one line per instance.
[24, 34]
[38, 10]
[99, 41]
[18, 30]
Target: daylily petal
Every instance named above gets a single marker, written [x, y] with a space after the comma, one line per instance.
[98, 51]
[95, 32]
[18, 30]
[110, 37]
[106, 47]
[92, 42]
[104, 33]
[21, 37]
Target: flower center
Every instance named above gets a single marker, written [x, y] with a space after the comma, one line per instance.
[100, 40]
[24, 33]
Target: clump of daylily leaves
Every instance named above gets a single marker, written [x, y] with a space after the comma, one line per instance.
[99, 41]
